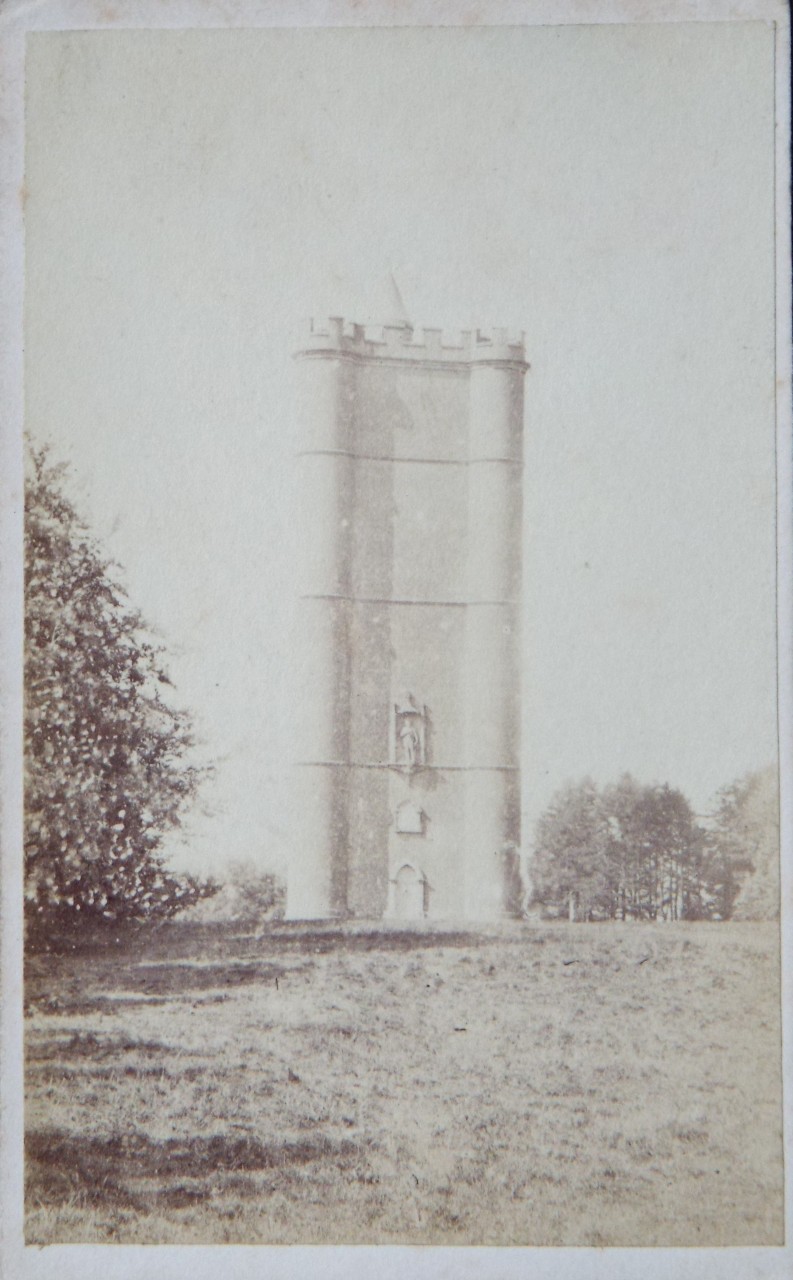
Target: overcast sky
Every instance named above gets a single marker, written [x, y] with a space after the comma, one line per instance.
[193, 196]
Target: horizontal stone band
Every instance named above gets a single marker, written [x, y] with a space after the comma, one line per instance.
[452, 604]
[439, 768]
[426, 364]
[377, 457]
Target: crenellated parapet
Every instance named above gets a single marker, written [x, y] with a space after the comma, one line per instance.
[337, 337]
[498, 346]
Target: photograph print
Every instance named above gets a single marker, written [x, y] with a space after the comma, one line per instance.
[401, 760]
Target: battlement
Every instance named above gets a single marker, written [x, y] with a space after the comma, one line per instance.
[337, 336]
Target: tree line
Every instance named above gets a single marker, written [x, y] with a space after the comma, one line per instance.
[638, 852]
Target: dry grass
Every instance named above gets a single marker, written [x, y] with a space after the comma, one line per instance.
[545, 1085]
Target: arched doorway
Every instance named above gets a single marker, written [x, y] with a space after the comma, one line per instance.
[409, 894]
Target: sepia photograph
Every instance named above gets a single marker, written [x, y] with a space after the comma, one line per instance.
[396, 483]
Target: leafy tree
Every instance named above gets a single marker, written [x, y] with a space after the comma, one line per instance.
[743, 860]
[670, 845]
[108, 769]
[570, 867]
[625, 841]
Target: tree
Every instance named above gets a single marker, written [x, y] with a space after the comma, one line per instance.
[570, 866]
[743, 856]
[670, 854]
[108, 761]
[621, 808]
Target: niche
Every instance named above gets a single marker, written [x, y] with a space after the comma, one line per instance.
[410, 819]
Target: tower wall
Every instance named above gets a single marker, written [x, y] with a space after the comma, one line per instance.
[318, 874]
[411, 481]
[492, 659]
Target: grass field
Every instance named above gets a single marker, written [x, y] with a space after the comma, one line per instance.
[545, 1085]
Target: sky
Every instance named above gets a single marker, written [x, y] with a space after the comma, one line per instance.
[193, 197]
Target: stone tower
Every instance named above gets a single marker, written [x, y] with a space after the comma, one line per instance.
[408, 760]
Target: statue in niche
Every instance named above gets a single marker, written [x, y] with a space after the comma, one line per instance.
[409, 741]
[408, 734]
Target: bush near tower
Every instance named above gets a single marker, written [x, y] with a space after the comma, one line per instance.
[109, 768]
